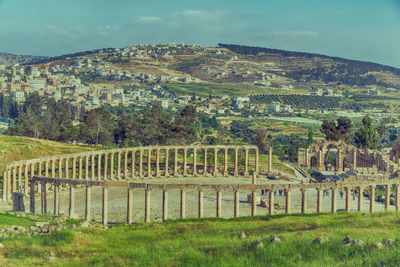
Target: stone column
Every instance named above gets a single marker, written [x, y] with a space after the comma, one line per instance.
[80, 167]
[56, 198]
[396, 197]
[256, 161]
[87, 203]
[333, 203]
[205, 162]
[387, 196]
[71, 201]
[140, 163]
[126, 165]
[360, 198]
[86, 167]
[183, 204]
[287, 206]
[118, 174]
[157, 162]
[53, 168]
[129, 206]
[225, 161]
[253, 203]
[67, 168]
[347, 192]
[149, 162]
[46, 169]
[112, 166]
[73, 167]
[246, 162]
[235, 164]
[20, 177]
[44, 198]
[14, 179]
[270, 160]
[105, 166]
[166, 171]
[105, 206]
[215, 161]
[194, 161]
[219, 206]
[147, 205]
[184, 161]
[319, 200]
[236, 204]
[303, 201]
[60, 170]
[371, 198]
[32, 197]
[99, 167]
[175, 162]
[200, 207]
[165, 206]
[92, 160]
[133, 164]
[271, 201]
[26, 180]
[5, 185]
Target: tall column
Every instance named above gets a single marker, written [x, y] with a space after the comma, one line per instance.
[387, 196]
[20, 177]
[147, 205]
[371, 198]
[253, 203]
[270, 160]
[26, 179]
[86, 167]
[165, 205]
[215, 161]
[246, 162]
[133, 164]
[53, 168]
[56, 198]
[80, 167]
[5, 185]
[200, 206]
[205, 162]
[396, 197]
[105, 166]
[104, 214]
[149, 162]
[194, 161]
[287, 206]
[219, 206]
[44, 198]
[225, 161]
[236, 204]
[92, 164]
[32, 197]
[157, 162]
[256, 161]
[129, 206]
[71, 201]
[87, 203]
[99, 167]
[354, 158]
[67, 168]
[360, 198]
[126, 165]
[347, 192]
[184, 161]
[235, 164]
[60, 171]
[112, 166]
[73, 167]
[183, 204]
[14, 179]
[166, 168]
[271, 201]
[140, 163]
[303, 201]
[319, 200]
[333, 203]
[118, 175]
[175, 162]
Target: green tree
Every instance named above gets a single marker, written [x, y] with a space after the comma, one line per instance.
[97, 127]
[366, 136]
[260, 140]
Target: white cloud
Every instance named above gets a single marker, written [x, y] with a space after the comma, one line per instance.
[148, 19]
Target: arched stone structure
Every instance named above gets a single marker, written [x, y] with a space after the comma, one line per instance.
[133, 163]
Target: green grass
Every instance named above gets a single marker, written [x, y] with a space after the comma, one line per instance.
[214, 242]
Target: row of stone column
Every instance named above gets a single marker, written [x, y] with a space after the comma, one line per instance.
[129, 212]
[117, 165]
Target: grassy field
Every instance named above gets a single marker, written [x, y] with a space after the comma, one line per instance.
[13, 148]
[215, 242]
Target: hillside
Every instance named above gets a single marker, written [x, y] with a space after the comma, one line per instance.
[11, 59]
[253, 69]
[13, 148]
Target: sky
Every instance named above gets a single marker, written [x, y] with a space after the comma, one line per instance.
[367, 30]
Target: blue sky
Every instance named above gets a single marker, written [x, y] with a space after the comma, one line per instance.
[356, 29]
